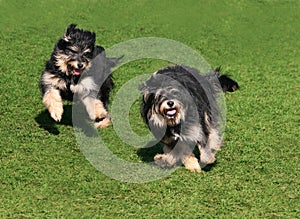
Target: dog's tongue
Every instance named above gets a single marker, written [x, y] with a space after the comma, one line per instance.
[76, 72]
[171, 112]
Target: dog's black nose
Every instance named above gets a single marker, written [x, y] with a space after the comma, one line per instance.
[170, 103]
[79, 65]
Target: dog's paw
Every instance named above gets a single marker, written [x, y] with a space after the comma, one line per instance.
[53, 101]
[56, 116]
[95, 109]
[56, 111]
[99, 111]
[191, 163]
[164, 160]
[102, 122]
[207, 158]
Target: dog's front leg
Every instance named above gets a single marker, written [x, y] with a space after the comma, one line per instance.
[53, 101]
[167, 159]
[96, 112]
[187, 157]
[191, 163]
[181, 153]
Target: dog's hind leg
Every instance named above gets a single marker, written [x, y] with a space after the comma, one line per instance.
[53, 102]
[208, 151]
[206, 155]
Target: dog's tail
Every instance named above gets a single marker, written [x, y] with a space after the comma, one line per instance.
[227, 84]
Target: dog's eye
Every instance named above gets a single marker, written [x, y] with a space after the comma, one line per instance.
[70, 51]
[87, 54]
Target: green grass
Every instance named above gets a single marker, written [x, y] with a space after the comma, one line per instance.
[43, 172]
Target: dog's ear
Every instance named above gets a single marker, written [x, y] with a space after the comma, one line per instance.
[144, 90]
[146, 96]
[98, 50]
[70, 29]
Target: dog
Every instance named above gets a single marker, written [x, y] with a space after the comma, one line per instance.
[68, 72]
[179, 105]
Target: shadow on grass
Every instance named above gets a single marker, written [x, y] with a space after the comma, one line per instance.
[209, 167]
[148, 152]
[47, 123]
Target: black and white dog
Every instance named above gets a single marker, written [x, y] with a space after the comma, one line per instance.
[65, 75]
[180, 108]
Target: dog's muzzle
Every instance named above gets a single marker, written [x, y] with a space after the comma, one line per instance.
[78, 69]
[170, 109]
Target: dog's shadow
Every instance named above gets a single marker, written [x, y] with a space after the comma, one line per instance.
[209, 167]
[47, 123]
[148, 152]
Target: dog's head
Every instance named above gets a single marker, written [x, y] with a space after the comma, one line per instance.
[74, 51]
[169, 107]
[163, 105]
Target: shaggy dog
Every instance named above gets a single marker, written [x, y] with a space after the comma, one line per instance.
[72, 58]
[180, 108]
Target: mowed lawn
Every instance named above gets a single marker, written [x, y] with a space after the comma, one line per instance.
[43, 172]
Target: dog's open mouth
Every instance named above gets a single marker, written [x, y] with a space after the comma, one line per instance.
[76, 72]
[170, 112]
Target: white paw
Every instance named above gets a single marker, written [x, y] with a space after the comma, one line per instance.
[56, 111]
[164, 160]
[192, 164]
[102, 123]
